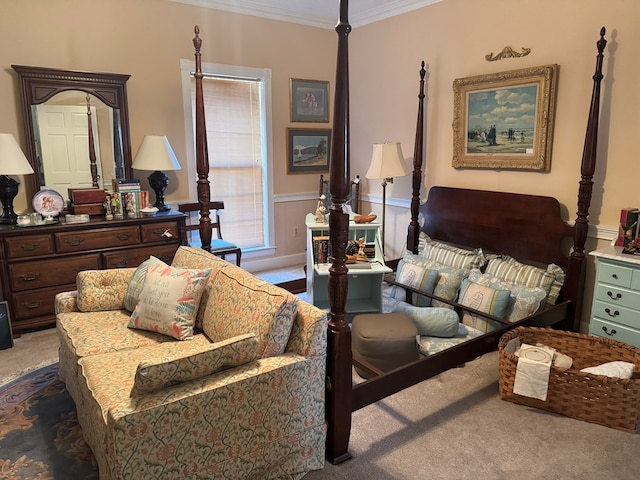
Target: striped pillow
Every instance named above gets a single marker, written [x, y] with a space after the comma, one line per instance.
[416, 276]
[510, 270]
[449, 255]
[485, 299]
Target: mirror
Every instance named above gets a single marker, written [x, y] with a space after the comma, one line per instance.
[76, 127]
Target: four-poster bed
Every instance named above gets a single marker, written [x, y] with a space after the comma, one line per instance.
[527, 227]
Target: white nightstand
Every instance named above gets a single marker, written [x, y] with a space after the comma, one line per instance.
[615, 312]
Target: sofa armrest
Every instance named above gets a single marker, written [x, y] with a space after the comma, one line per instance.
[66, 302]
[101, 290]
[181, 362]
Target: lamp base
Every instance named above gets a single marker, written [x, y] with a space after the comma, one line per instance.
[8, 191]
[158, 181]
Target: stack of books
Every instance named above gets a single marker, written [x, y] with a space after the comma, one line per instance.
[130, 196]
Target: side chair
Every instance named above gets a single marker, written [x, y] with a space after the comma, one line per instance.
[219, 246]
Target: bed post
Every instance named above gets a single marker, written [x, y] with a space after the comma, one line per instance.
[418, 152]
[577, 257]
[339, 397]
[202, 155]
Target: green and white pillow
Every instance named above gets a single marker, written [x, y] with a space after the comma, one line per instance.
[484, 299]
[415, 275]
[449, 255]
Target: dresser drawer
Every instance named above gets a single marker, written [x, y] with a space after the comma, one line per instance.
[616, 313]
[48, 273]
[166, 232]
[67, 242]
[618, 296]
[37, 303]
[617, 275]
[134, 257]
[605, 329]
[29, 246]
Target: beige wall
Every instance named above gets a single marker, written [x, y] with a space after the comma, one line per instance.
[147, 38]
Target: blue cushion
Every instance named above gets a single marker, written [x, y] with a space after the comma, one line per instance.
[485, 299]
[432, 321]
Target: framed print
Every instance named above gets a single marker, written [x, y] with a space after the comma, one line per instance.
[505, 120]
[6, 337]
[309, 100]
[308, 150]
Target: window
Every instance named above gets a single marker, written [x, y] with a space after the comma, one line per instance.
[237, 104]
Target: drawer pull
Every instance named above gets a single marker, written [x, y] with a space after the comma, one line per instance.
[124, 236]
[614, 276]
[122, 264]
[29, 247]
[74, 242]
[613, 331]
[32, 305]
[30, 277]
[614, 314]
[617, 296]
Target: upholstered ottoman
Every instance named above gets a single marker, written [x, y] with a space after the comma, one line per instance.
[385, 340]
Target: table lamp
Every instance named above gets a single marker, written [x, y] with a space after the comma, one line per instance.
[387, 162]
[155, 154]
[12, 162]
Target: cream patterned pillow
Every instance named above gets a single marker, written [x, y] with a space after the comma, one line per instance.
[175, 367]
[169, 300]
[510, 270]
[102, 290]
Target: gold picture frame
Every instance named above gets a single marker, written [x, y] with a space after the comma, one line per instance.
[504, 121]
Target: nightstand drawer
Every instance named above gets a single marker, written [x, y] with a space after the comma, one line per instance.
[67, 242]
[616, 313]
[29, 246]
[604, 329]
[615, 274]
[48, 273]
[618, 296]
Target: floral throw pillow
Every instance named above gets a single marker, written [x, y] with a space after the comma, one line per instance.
[169, 300]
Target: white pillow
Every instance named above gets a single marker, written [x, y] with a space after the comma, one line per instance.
[169, 300]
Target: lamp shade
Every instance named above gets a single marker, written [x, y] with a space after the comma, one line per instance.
[387, 161]
[12, 159]
[155, 153]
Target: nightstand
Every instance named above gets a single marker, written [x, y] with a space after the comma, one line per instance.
[615, 312]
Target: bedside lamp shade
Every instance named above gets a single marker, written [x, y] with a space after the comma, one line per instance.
[387, 162]
[12, 162]
[155, 154]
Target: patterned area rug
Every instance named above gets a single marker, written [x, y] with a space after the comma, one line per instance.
[39, 433]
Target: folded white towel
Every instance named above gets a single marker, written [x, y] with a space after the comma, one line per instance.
[617, 369]
[532, 371]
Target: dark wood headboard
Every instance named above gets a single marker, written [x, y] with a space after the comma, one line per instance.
[527, 227]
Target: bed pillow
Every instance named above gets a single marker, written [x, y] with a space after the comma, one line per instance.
[525, 301]
[449, 255]
[169, 300]
[417, 276]
[431, 321]
[449, 278]
[510, 270]
[485, 299]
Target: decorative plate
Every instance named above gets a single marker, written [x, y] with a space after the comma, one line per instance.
[48, 203]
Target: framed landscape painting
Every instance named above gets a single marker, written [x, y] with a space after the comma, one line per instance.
[308, 150]
[505, 120]
[309, 100]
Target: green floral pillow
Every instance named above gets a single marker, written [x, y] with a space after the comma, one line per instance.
[169, 300]
[134, 289]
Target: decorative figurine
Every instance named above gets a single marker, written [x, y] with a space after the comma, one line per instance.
[321, 210]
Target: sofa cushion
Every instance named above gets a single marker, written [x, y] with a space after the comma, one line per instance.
[134, 288]
[178, 364]
[100, 290]
[256, 307]
[169, 299]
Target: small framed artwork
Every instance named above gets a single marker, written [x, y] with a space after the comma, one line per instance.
[6, 336]
[309, 100]
[308, 150]
[505, 120]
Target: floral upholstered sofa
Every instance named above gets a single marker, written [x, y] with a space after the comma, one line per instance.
[238, 393]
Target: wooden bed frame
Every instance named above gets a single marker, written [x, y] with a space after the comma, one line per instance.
[527, 227]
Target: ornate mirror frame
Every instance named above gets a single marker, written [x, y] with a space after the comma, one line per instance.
[39, 84]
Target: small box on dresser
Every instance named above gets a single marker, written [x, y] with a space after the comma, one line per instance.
[615, 311]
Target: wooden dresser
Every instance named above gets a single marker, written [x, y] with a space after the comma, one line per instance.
[40, 261]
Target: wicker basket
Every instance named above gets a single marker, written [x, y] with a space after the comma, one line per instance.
[613, 402]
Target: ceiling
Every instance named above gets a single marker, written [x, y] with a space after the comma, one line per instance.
[317, 13]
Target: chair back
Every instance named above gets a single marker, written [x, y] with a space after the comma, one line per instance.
[214, 206]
